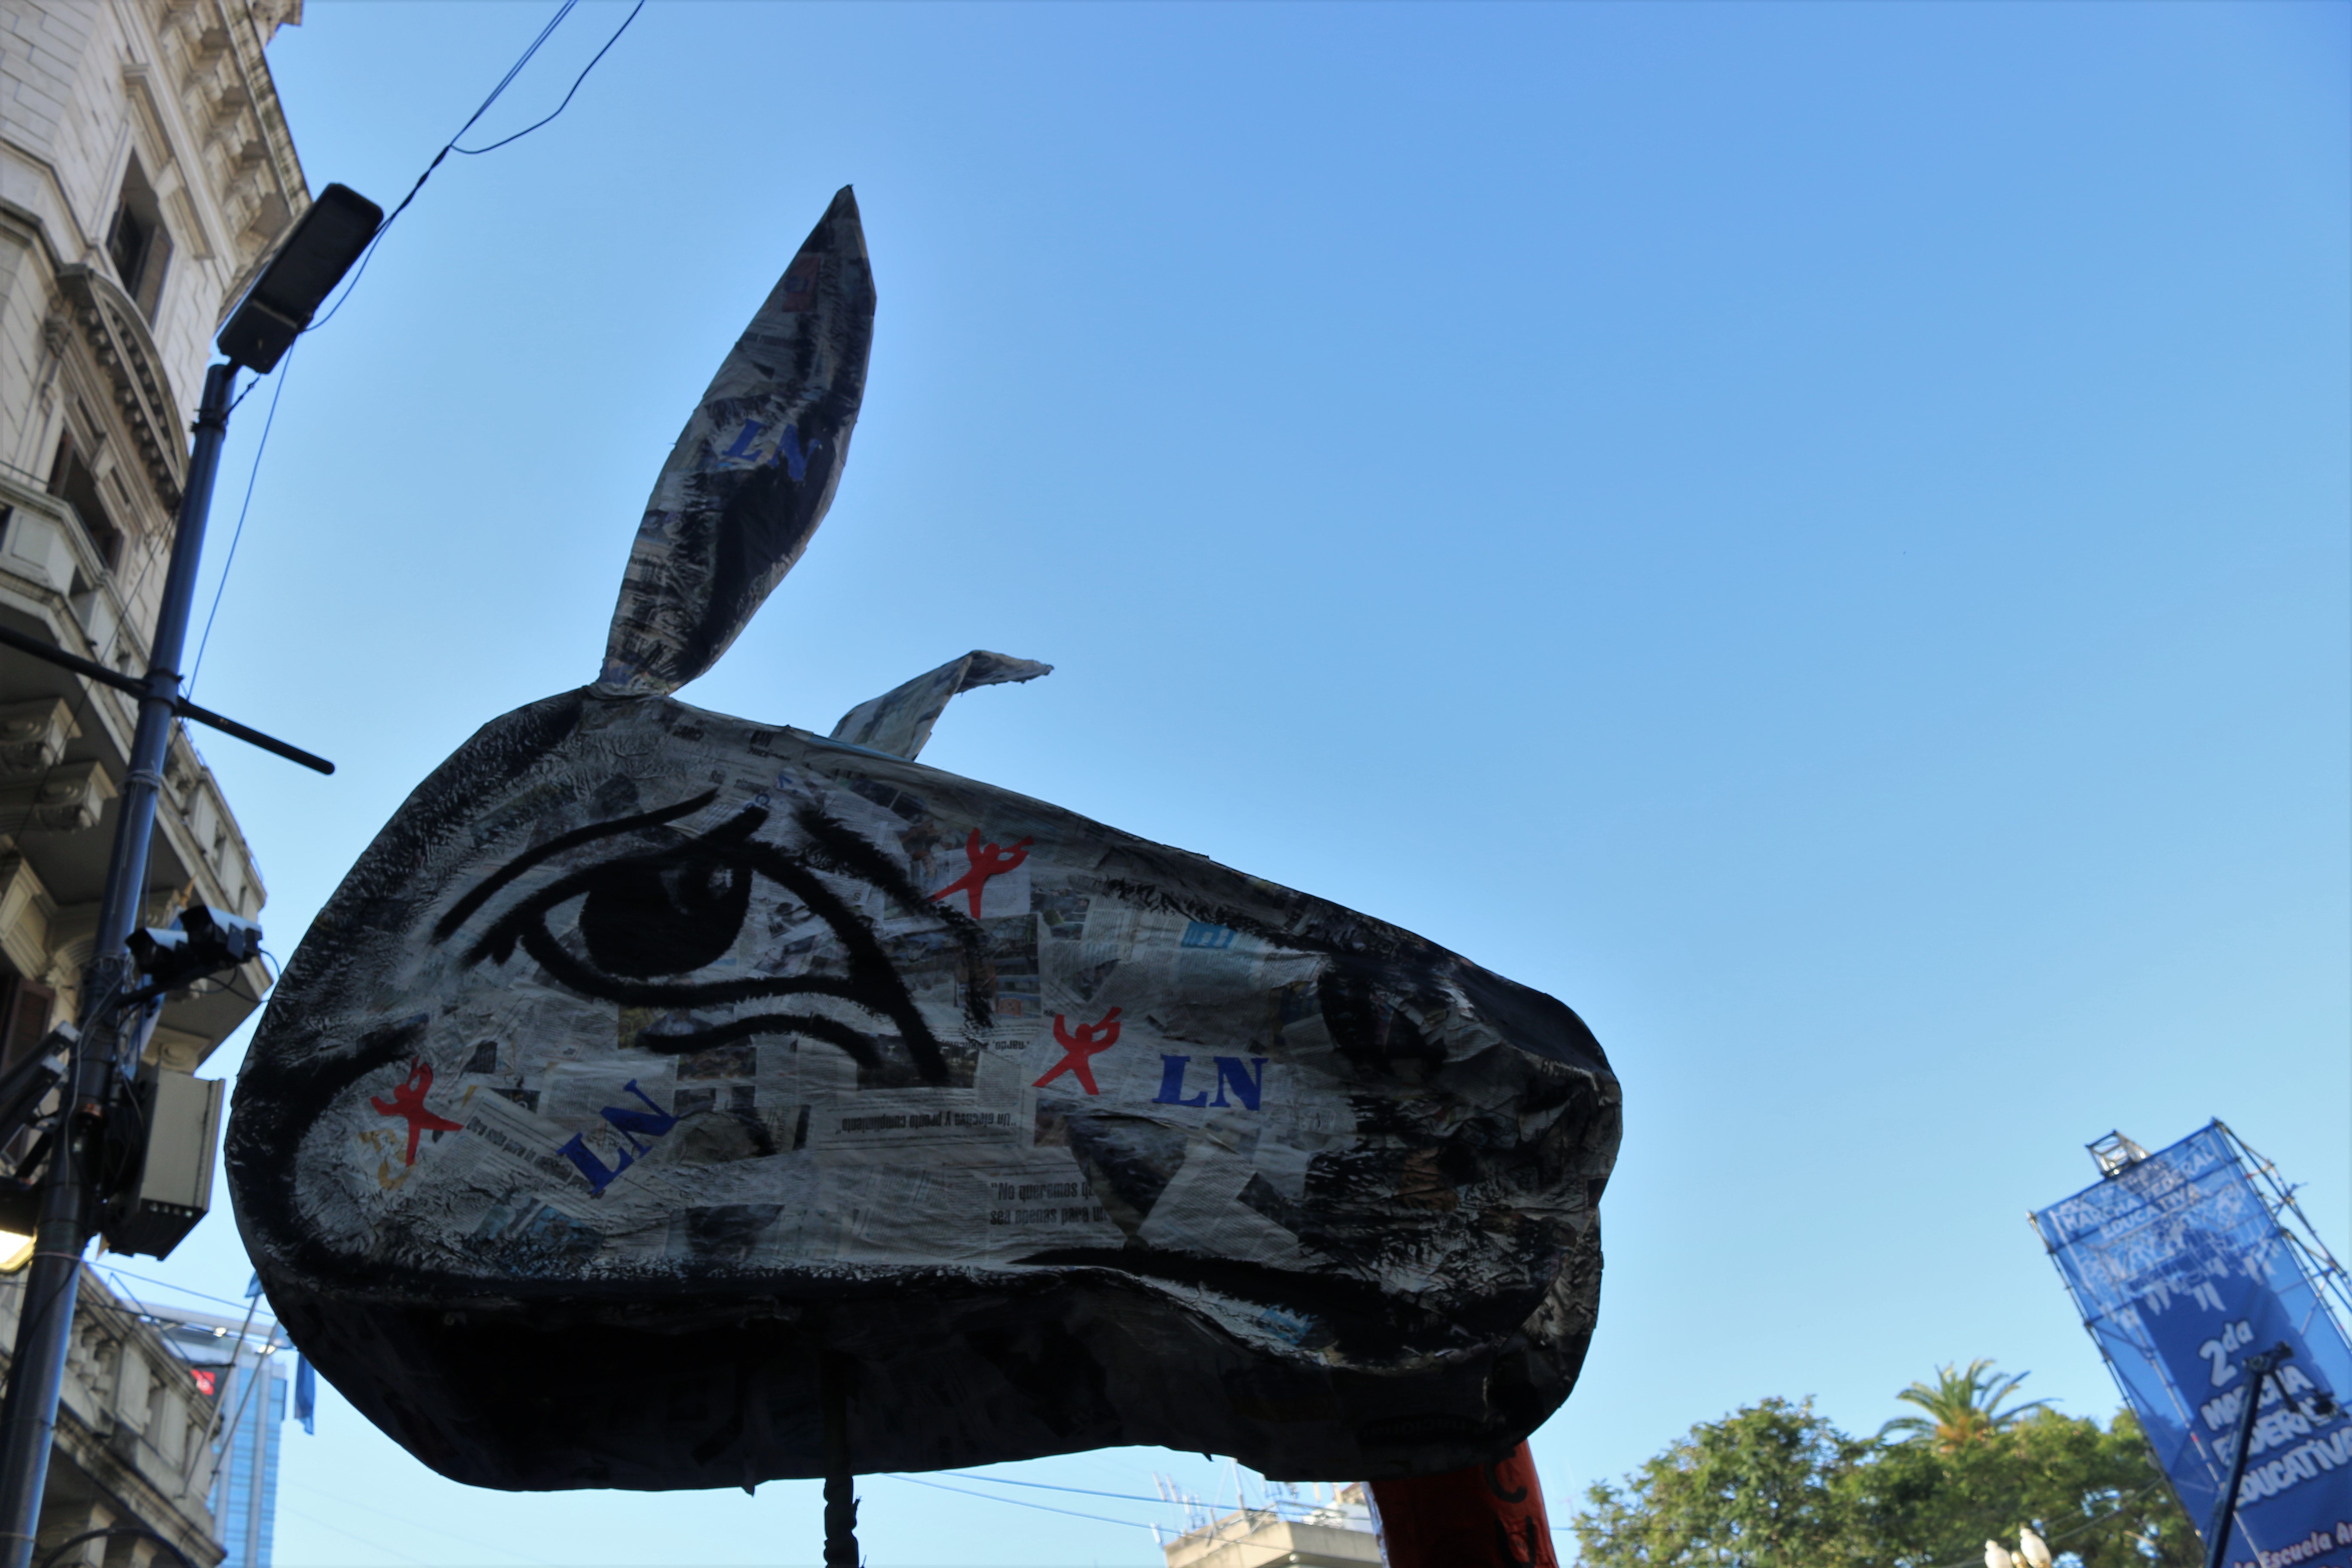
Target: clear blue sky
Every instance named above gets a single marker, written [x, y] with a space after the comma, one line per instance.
[1818, 534]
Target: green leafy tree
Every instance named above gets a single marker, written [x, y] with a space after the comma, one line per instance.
[1963, 1407]
[1760, 1488]
[2092, 1492]
[1775, 1485]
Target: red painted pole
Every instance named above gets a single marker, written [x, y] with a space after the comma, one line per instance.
[1488, 1516]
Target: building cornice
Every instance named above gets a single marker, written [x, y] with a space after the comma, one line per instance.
[99, 1447]
[119, 338]
[212, 51]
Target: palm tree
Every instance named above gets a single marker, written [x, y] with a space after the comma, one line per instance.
[1963, 1407]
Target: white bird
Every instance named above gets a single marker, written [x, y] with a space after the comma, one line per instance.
[2032, 1548]
[1997, 1556]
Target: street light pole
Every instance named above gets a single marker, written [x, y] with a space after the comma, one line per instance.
[52, 1285]
[2259, 1369]
[278, 308]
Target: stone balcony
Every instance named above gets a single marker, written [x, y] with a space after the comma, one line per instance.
[133, 1438]
[64, 741]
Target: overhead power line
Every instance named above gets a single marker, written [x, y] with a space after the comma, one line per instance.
[478, 152]
[1049, 1487]
[369, 255]
[285, 369]
[450, 146]
[1017, 1502]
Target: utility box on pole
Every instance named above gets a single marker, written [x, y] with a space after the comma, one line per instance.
[175, 1186]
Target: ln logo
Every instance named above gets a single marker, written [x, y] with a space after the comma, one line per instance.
[1247, 1083]
[631, 1124]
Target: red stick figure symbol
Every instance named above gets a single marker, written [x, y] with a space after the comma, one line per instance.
[408, 1100]
[1079, 1050]
[987, 860]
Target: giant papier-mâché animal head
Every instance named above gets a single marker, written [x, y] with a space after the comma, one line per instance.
[650, 1054]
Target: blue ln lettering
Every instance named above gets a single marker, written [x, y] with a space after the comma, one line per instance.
[1172, 1083]
[598, 1175]
[652, 1122]
[630, 1123]
[790, 453]
[742, 447]
[1246, 1086]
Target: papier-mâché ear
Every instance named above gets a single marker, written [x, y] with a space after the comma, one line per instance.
[752, 471]
[899, 720]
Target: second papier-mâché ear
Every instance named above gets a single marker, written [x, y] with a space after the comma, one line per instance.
[899, 720]
[754, 470]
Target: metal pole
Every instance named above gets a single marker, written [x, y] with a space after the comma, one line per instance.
[2217, 1544]
[840, 1481]
[44, 1321]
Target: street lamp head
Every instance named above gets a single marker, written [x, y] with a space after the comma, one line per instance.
[324, 244]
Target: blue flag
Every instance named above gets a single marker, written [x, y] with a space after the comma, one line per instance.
[306, 1395]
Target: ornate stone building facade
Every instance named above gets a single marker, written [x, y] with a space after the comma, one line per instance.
[145, 172]
[136, 1443]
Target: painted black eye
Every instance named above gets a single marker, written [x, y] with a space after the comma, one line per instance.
[650, 921]
[648, 917]
[665, 914]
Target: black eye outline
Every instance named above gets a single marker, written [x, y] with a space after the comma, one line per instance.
[872, 983]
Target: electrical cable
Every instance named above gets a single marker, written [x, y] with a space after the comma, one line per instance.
[180, 1289]
[478, 152]
[363, 1541]
[285, 370]
[220, 988]
[241, 396]
[1045, 1486]
[411, 1521]
[451, 146]
[1014, 1502]
[514, 70]
[129, 1295]
[385, 226]
[368, 255]
[253, 1376]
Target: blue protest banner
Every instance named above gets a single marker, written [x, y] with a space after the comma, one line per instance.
[2182, 1272]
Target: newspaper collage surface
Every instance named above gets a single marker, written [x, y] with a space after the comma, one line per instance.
[650, 1054]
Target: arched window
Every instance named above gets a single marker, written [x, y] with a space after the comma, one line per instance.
[139, 245]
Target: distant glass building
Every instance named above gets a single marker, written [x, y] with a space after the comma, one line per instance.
[245, 1482]
[247, 1371]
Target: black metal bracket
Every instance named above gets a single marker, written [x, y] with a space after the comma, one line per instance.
[137, 687]
[24, 1085]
